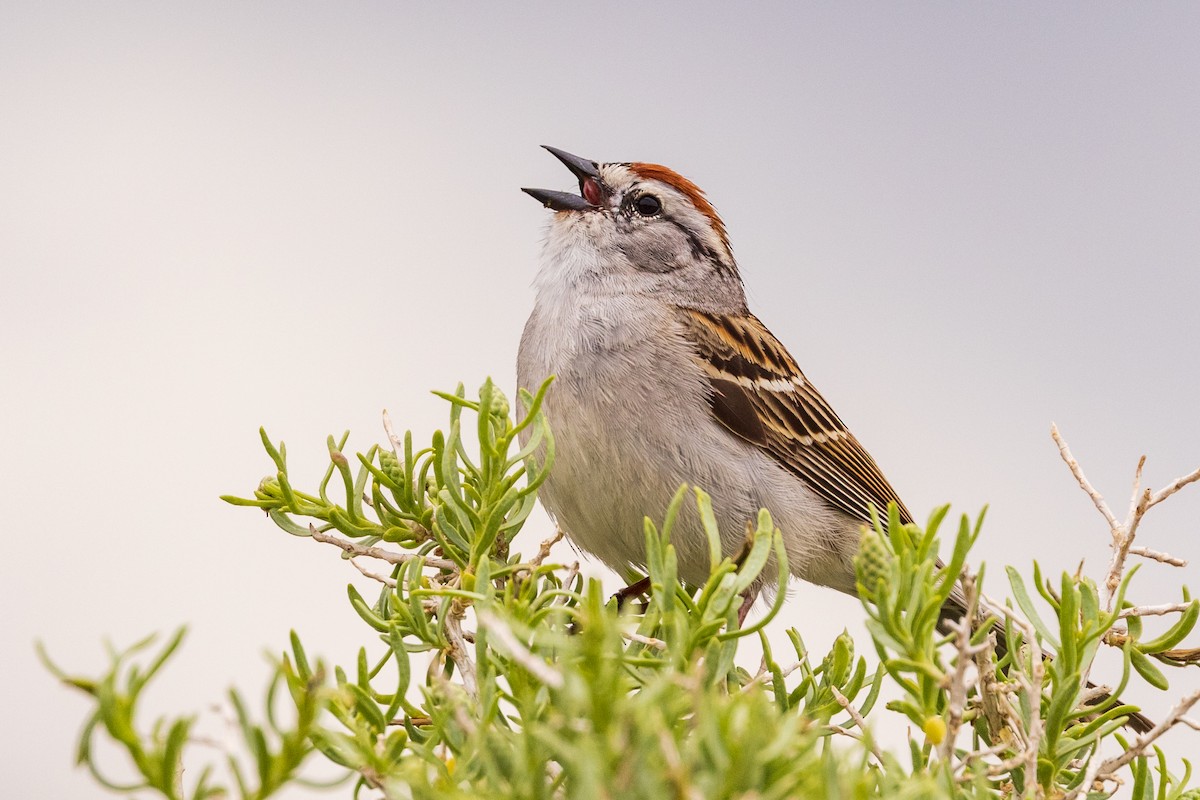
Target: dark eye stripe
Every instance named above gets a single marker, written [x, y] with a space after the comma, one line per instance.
[701, 250]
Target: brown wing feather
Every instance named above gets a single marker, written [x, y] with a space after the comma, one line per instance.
[761, 395]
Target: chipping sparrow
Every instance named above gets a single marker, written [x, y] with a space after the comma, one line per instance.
[664, 377]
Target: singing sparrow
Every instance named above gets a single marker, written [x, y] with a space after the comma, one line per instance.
[664, 377]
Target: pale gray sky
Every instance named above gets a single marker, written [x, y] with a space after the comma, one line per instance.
[965, 221]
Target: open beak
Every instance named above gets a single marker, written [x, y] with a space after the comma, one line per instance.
[590, 191]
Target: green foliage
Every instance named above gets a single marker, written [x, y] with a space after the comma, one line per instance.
[275, 751]
[487, 672]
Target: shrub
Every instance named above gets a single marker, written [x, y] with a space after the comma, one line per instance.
[489, 672]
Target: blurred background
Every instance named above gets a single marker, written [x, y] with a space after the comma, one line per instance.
[965, 222]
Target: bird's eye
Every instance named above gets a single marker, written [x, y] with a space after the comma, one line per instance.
[647, 205]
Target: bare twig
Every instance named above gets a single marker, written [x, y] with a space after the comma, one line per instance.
[957, 688]
[1100, 770]
[567, 580]
[764, 674]
[397, 442]
[1031, 685]
[384, 579]
[460, 650]
[1077, 471]
[1123, 533]
[1156, 611]
[975, 755]
[542, 554]
[649, 641]
[389, 556]
[544, 551]
[1093, 693]
[1173, 487]
[417, 722]
[859, 722]
[993, 702]
[1165, 558]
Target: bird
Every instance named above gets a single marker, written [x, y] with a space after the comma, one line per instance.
[663, 376]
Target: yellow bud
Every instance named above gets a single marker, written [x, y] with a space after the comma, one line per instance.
[935, 730]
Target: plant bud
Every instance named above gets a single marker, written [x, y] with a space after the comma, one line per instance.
[935, 730]
[873, 562]
[499, 404]
[389, 465]
[268, 489]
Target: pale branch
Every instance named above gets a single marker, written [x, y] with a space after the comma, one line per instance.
[1077, 471]
[397, 442]
[861, 723]
[649, 641]
[1031, 685]
[1156, 611]
[975, 755]
[1173, 487]
[459, 649]
[993, 702]
[384, 579]
[566, 582]
[1092, 693]
[957, 681]
[763, 674]
[542, 554]
[1101, 770]
[1165, 558]
[1137, 495]
[502, 635]
[389, 556]
[1123, 533]
[544, 551]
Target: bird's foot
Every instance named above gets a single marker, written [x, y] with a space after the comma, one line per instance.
[636, 589]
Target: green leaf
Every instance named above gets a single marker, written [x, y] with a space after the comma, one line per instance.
[1026, 605]
[1146, 668]
[1176, 633]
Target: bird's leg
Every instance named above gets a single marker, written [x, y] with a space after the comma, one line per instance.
[751, 594]
[635, 589]
[747, 603]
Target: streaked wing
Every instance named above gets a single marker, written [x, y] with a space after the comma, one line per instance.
[761, 395]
